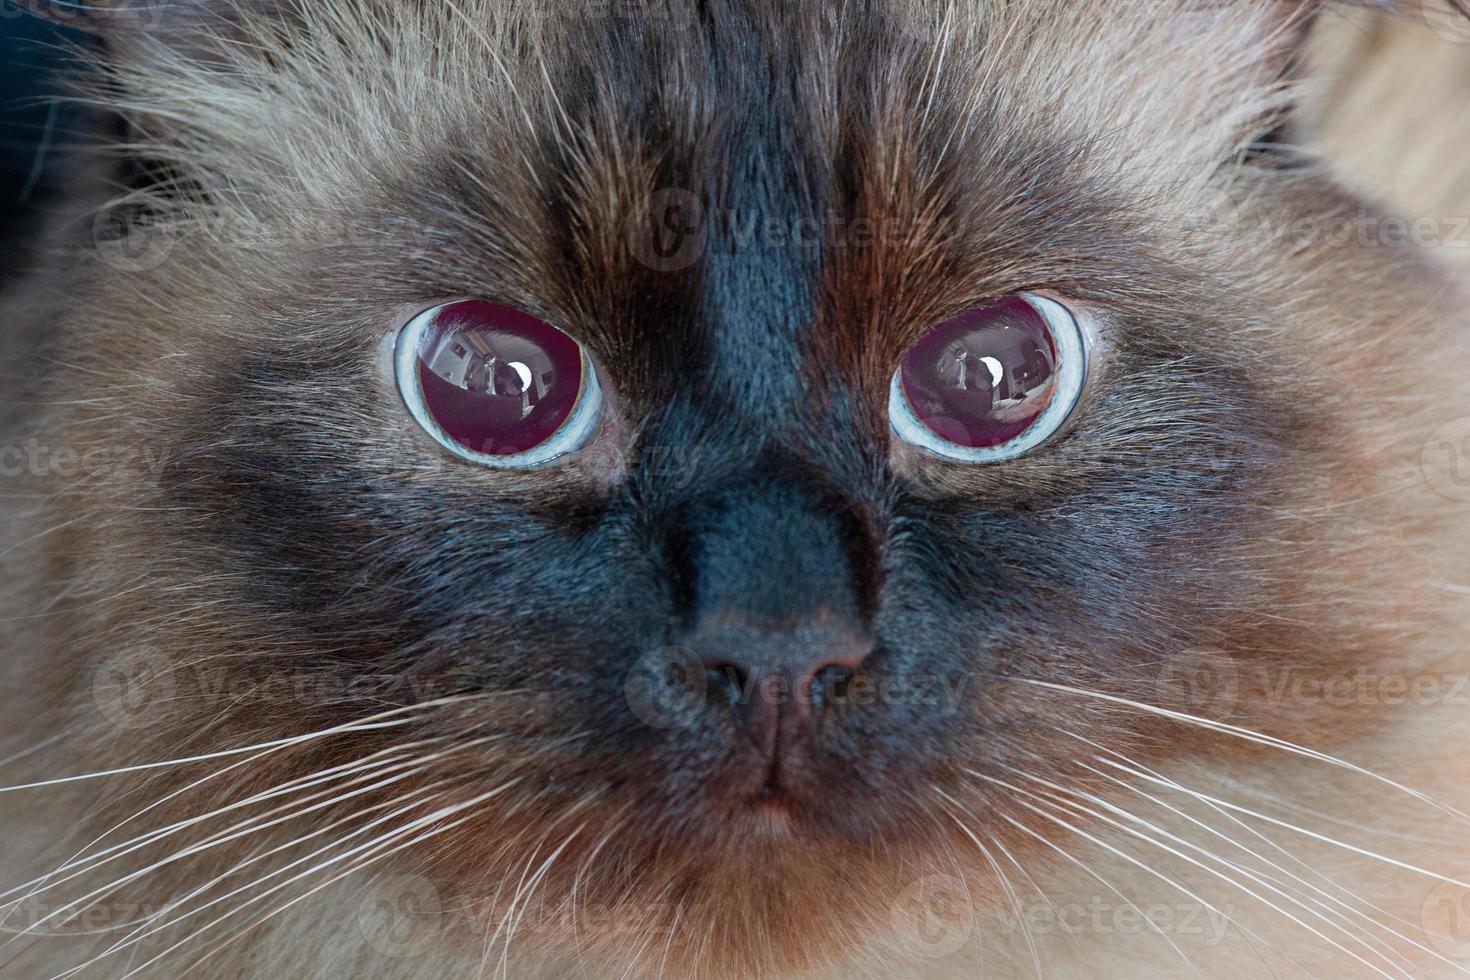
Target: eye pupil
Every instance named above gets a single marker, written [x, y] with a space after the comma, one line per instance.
[513, 380]
[983, 379]
[494, 380]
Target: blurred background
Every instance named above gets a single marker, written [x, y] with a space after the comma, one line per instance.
[32, 126]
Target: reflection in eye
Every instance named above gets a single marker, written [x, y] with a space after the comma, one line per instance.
[991, 382]
[492, 383]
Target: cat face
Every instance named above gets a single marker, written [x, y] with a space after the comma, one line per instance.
[742, 651]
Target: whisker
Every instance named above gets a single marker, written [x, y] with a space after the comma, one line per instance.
[42, 745]
[367, 847]
[1262, 879]
[1109, 886]
[1244, 930]
[672, 930]
[88, 862]
[1217, 805]
[381, 855]
[263, 750]
[401, 807]
[1286, 825]
[1005, 884]
[371, 723]
[140, 841]
[1006, 853]
[523, 900]
[522, 885]
[332, 797]
[1062, 802]
[1251, 736]
[615, 827]
[1325, 895]
[189, 760]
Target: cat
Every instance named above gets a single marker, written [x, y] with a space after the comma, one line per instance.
[726, 488]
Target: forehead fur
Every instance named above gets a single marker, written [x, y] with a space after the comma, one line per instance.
[304, 111]
[411, 152]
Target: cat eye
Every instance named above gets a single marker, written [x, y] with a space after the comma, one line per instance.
[991, 383]
[497, 386]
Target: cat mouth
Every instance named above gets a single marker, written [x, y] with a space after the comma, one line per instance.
[776, 767]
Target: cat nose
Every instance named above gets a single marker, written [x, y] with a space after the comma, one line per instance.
[776, 679]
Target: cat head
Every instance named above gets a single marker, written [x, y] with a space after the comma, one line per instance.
[760, 641]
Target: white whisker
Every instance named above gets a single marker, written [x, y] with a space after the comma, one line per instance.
[1005, 884]
[1322, 893]
[368, 847]
[401, 806]
[1089, 811]
[1251, 736]
[1110, 887]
